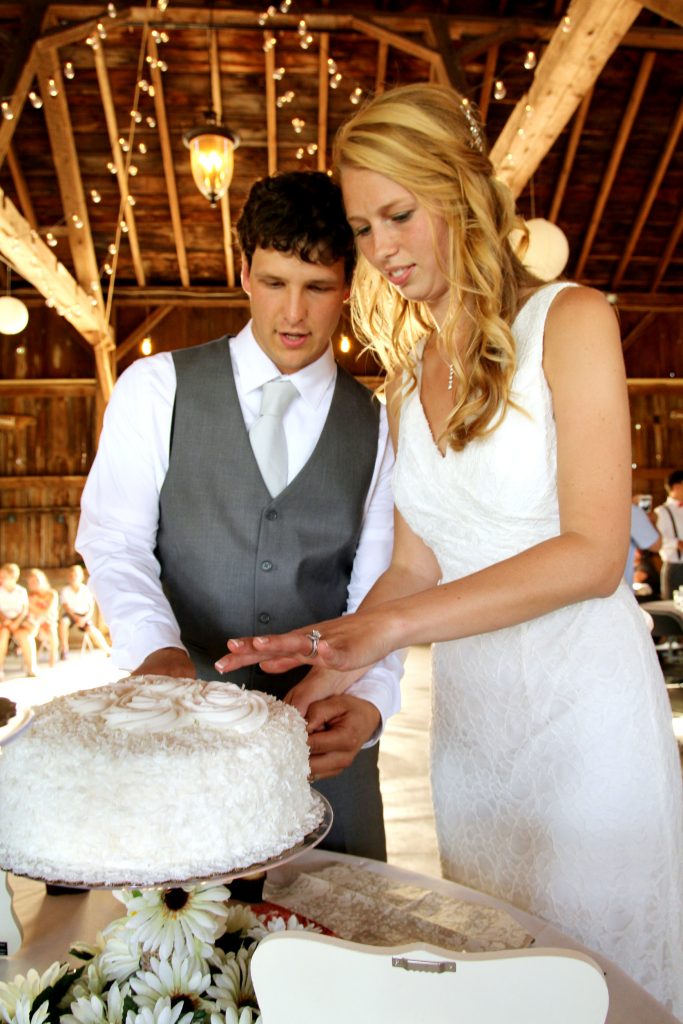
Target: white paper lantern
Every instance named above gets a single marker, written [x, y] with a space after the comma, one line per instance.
[13, 315]
[548, 250]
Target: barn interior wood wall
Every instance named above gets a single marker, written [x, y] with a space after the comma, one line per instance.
[49, 416]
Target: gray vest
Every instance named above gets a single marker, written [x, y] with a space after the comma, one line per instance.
[234, 561]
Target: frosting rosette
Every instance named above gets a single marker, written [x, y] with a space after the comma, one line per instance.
[162, 705]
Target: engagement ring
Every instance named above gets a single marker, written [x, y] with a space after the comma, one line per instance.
[315, 637]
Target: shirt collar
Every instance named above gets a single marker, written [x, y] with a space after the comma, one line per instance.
[255, 369]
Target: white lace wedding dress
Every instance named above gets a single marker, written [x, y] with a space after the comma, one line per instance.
[555, 775]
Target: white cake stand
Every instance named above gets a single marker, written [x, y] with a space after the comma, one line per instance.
[11, 934]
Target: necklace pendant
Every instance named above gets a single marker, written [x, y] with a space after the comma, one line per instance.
[451, 378]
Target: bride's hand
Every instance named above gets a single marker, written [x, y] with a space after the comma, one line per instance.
[344, 644]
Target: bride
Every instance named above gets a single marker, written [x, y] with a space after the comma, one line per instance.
[555, 774]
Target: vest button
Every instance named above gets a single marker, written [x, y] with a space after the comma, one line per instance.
[271, 514]
[264, 617]
[266, 565]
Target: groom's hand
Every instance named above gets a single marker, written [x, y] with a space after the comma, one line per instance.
[338, 726]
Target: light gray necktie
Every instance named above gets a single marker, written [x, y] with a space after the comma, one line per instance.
[267, 434]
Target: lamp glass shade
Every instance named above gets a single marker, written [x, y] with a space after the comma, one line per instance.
[212, 160]
[13, 315]
[548, 250]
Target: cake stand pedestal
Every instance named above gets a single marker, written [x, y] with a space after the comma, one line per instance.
[11, 935]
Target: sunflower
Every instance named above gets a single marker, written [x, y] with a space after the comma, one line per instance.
[184, 920]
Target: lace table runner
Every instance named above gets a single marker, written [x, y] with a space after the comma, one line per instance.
[369, 908]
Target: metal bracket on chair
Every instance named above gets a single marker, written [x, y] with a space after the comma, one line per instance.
[434, 966]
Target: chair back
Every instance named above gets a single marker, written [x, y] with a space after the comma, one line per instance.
[303, 978]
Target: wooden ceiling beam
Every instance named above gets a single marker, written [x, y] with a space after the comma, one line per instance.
[271, 108]
[374, 31]
[217, 103]
[38, 265]
[650, 196]
[167, 161]
[459, 26]
[119, 164]
[569, 67]
[450, 65]
[637, 332]
[487, 83]
[610, 173]
[381, 72]
[570, 155]
[672, 10]
[49, 387]
[323, 99]
[21, 187]
[141, 331]
[16, 103]
[667, 255]
[65, 157]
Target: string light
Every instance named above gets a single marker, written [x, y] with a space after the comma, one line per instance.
[567, 23]
[499, 90]
[530, 60]
[298, 124]
[355, 96]
[50, 239]
[111, 10]
[95, 196]
[7, 112]
[146, 346]
[69, 71]
[335, 80]
[279, 74]
[52, 87]
[35, 100]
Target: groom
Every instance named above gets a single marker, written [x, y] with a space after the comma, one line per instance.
[188, 537]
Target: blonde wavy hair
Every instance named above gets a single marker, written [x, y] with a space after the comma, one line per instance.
[425, 138]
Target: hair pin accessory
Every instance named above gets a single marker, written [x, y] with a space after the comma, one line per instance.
[477, 139]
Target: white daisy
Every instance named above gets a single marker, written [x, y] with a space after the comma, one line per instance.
[92, 982]
[231, 985]
[167, 921]
[240, 918]
[280, 924]
[182, 979]
[22, 1012]
[95, 1009]
[161, 1013]
[27, 988]
[231, 1016]
[121, 955]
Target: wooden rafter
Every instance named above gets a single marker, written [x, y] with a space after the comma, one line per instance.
[167, 159]
[16, 103]
[141, 331]
[449, 62]
[667, 255]
[271, 109]
[217, 102]
[487, 83]
[400, 42]
[607, 180]
[22, 190]
[638, 331]
[570, 155]
[381, 73]
[323, 99]
[671, 9]
[650, 196]
[119, 164]
[38, 265]
[569, 67]
[65, 157]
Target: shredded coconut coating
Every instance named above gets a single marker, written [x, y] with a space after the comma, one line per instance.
[86, 800]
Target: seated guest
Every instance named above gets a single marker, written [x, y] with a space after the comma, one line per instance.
[14, 622]
[77, 609]
[43, 604]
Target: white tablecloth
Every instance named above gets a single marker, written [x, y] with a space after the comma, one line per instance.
[51, 923]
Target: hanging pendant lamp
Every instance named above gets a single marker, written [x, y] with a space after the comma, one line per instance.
[212, 160]
[13, 312]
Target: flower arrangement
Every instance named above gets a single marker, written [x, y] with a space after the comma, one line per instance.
[179, 956]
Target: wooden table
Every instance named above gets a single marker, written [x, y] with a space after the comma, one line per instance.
[51, 923]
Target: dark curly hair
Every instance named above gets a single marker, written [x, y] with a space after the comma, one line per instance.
[300, 212]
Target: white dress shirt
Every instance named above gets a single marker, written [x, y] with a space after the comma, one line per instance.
[669, 550]
[120, 502]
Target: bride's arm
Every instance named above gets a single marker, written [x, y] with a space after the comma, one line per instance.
[584, 367]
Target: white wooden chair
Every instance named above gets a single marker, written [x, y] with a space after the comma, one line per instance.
[304, 978]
